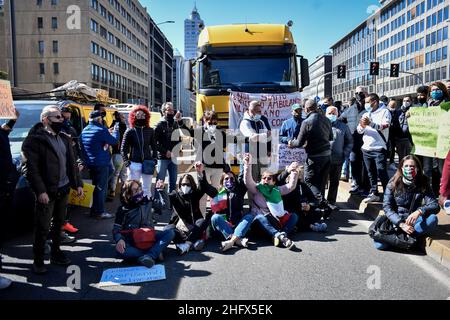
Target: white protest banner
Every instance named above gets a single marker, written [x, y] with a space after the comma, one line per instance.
[7, 109]
[276, 107]
[287, 155]
[119, 276]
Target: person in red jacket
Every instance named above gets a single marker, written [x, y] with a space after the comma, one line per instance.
[445, 182]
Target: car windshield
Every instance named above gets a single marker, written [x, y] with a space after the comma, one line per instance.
[29, 116]
[273, 71]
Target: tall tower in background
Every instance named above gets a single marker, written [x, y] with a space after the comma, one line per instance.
[191, 33]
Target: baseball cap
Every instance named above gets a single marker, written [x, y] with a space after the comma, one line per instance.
[95, 114]
[296, 106]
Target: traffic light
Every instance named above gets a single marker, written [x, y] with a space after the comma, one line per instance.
[342, 71]
[374, 68]
[395, 68]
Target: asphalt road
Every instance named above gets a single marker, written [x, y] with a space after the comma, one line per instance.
[340, 264]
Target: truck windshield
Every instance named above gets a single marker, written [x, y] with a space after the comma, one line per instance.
[272, 71]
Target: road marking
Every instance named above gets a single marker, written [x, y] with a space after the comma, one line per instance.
[421, 262]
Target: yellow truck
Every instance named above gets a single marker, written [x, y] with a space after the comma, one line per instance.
[252, 58]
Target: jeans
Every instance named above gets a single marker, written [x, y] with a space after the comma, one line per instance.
[163, 239]
[271, 230]
[218, 222]
[135, 173]
[45, 214]
[119, 172]
[99, 177]
[376, 165]
[335, 174]
[316, 174]
[163, 166]
[422, 227]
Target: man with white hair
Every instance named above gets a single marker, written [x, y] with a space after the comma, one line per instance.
[50, 168]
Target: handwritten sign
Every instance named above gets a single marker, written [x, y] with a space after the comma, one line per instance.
[7, 109]
[276, 107]
[86, 199]
[287, 156]
[443, 141]
[119, 276]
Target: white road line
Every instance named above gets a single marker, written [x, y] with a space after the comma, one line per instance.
[421, 262]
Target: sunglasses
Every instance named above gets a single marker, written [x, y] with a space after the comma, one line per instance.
[57, 117]
[185, 185]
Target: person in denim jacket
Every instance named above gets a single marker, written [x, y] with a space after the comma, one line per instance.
[410, 184]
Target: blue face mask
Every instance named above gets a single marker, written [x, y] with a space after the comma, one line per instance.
[332, 117]
[229, 184]
[368, 107]
[437, 95]
[257, 117]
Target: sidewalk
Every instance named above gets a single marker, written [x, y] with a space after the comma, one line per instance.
[437, 246]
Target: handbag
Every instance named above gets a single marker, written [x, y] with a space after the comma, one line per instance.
[143, 238]
[382, 230]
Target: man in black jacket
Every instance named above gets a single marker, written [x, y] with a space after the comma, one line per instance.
[50, 168]
[165, 144]
[315, 135]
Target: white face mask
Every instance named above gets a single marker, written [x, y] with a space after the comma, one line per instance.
[211, 128]
[185, 189]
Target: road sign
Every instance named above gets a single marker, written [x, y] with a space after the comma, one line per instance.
[317, 99]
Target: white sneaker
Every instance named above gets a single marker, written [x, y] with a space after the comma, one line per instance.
[183, 248]
[242, 242]
[226, 245]
[371, 198]
[4, 283]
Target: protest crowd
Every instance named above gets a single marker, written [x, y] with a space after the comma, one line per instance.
[356, 142]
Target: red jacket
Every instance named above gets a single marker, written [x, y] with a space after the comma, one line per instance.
[445, 182]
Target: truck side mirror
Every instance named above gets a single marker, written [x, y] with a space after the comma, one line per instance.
[304, 72]
[188, 78]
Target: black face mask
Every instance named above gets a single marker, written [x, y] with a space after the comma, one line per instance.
[141, 122]
[56, 126]
[422, 100]
[170, 117]
[360, 97]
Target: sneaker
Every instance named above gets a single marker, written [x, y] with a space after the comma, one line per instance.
[355, 189]
[243, 243]
[39, 268]
[333, 206]
[276, 241]
[226, 245]
[344, 178]
[371, 198]
[66, 239]
[4, 283]
[104, 216]
[199, 245]
[68, 227]
[287, 243]
[183, 248]
[59, 258]
[146, 261]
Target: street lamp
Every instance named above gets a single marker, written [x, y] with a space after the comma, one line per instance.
[168, 21]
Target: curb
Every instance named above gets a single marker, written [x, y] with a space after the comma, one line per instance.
[437, 247]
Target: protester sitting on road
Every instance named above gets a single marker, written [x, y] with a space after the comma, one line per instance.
[228, 207]
[139, 151]
[302, 202]
[50, 168]
[188, 221]
[136, 213]
[403, 201]
[267, 203]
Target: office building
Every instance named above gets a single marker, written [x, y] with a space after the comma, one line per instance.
[192, 29]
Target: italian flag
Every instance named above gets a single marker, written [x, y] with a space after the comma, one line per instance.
[273, 197]
[219, 202]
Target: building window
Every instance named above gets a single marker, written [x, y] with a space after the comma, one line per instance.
[40, 22]
[41, 47]
[94, 4]
[41, 68]
[56, 68]
[54, 22]
[54, 2]
[94, 25]
[55, 46]
[39, 2]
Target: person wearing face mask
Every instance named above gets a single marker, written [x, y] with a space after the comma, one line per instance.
[409, 203]
[139, 150]
[256, 129]
[136, 212]
[213, 144]
[291, 127]
[422, 96]
[95, 142]
[267, 203]
[102, 109]
[401, 137]
[229, 218]
[341, 146]
[164, 143]
[50, 169]
[188, 221]
[438, 94]
[327, 102]
[120, 171]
